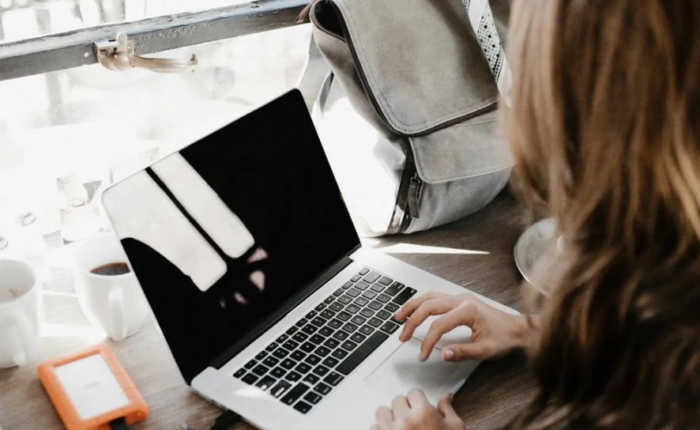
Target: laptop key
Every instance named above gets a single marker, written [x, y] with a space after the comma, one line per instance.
[345, 299]
[383, 314]
[365, 329]
[361, 301]
[389, 327]
[344, 316]
[358, 320]
[385, 280]
[293, 376]
[281, 388]
[309, 329]
[358, 337]
[317, 339]
[311, 378]
[318, 321]
[353, 292]
[300, 337]
[329, 300]
[333, 379]
[383, 298]
[291, 330]
[349, 345]
[266, 382]
[349, 327]
[378, 287]
[362, 285]
[375, 305]
[271, 361]
[336, 307]
[282, 338]
[320, 307]
[375, 322]
[353, 309]
[313, 359]
[295, 393]
[338, 292]
[356, 278]
[403, 297]
[288, 363]
[312, 397]
[364, 271]
[261, 355]
[322, 351]
[340, 335]
[331, 343]
[297, 355]
[308, 347]
[327, 314]
[240, 373]
[340, 353]
[249, 365]
[330, 362]
[369, 294]
[392, 307]
[323, 388]
[278, 372]
[347, 285]
[311, 315]
[321, 370]
[290, 345]
[271, 347]
[303, 368]
[302, 407]
[249, 379]
[394, 289]
[367, 313]
[371, 277]
[334, 323]
[280, 353]
[357, 357]
[326, 331]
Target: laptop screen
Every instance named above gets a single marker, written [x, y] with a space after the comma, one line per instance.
[222, 233]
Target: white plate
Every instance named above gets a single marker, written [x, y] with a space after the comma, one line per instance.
[532, 245]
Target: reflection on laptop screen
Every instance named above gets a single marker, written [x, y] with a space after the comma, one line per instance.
[225, 231]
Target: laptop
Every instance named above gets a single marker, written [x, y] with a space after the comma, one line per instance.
[269, 304]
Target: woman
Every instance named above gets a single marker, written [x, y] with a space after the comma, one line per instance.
[605, 127]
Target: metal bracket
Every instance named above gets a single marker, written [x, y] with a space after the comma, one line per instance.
[118, 55]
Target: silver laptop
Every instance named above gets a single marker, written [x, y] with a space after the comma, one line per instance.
[251, 264]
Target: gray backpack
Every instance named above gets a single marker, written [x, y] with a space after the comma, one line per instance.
[408, 116]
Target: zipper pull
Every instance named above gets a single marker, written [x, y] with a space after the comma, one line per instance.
[414, 190]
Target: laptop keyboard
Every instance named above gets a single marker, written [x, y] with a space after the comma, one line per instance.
[321, 349]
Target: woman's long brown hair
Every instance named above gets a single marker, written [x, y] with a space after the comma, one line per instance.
[605, 127]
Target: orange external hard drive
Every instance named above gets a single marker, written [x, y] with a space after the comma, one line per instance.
[90, 389]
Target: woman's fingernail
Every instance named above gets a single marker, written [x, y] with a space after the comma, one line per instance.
[421, 357]
[449, 354]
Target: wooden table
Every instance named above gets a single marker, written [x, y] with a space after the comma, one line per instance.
[492, 395]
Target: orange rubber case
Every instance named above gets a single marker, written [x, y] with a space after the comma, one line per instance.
[135, 411]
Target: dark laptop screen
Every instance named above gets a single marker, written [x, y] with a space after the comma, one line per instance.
[224, 232]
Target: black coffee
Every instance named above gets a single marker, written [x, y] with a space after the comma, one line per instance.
[111, 269]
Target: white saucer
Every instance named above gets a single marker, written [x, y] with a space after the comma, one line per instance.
[532, 245]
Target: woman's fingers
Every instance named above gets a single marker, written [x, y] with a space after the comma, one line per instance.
[437, 306]
[417, 399]
[385, 418]
[400, 407]
[445, 407]
[412, 305]
[465, 314]
[468, 351]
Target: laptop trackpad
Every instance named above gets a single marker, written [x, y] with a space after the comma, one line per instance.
[402, 371]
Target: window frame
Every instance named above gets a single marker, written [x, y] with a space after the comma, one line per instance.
[75, 48]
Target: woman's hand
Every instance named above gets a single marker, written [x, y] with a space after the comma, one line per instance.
[414, 412]
[494, 332]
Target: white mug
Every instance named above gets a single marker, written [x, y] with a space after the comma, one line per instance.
[114, 303]
[19, 313]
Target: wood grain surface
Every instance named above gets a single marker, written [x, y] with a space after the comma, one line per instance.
[491, 396]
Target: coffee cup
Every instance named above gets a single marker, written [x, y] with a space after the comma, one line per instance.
[108, 291]
[19, 313]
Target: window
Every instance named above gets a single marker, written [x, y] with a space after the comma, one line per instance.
[69, 127]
